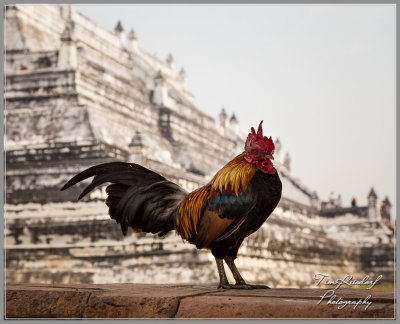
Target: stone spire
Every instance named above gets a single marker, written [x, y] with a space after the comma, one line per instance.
[234, 123]
[120, 32]
[118, 28]
[182, 77]
[385, 211]
[387, 201]
[132, 40]
[136, 149]
[66, 11]
[136, 140]
[66, 35]
[160, 94]
[67, 58]
[223, 118]
[372, 200]
[171, 62]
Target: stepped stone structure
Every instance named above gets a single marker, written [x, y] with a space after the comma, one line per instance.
[78, 95]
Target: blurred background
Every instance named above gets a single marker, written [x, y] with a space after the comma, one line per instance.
[80, 93]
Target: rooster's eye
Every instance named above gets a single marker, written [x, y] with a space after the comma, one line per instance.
[254, 152]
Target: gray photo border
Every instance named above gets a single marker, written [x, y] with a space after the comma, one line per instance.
[287, 2]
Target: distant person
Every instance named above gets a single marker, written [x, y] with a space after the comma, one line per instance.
[339, 201]
[353, 202]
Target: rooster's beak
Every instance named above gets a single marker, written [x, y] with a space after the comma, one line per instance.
[269, 156]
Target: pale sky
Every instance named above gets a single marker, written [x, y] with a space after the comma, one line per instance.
[322, 77]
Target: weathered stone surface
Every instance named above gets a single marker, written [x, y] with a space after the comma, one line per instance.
[186, 301]
[139, 301]
[285, 303]
[78, 243]
[270, 307]
[41, 301]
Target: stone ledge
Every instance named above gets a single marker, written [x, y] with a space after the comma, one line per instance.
[186, 301]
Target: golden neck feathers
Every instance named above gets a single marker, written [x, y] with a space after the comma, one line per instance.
[234, 177]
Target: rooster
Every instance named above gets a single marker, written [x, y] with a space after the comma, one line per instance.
[217, 216]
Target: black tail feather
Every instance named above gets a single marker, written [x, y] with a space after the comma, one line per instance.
[137, 197]
[110, 167]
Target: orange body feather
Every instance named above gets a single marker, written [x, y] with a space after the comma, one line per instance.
[190, 210]
[234, 177]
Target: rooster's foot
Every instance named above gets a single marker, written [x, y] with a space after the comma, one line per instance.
[258, 286]
[242, 286]
[229, 286]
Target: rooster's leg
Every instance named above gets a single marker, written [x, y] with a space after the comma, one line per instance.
[238, 278]
[240, 283]
[223, 280]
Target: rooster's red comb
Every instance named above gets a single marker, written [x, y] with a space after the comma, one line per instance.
[258, 139]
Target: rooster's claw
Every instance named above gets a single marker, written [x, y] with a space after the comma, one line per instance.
[242, 286]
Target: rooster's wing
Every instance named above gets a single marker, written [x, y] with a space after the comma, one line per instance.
[222, 216]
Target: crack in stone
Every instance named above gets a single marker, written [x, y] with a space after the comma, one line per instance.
[177, 308]
[194, 295]
[85, 305]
